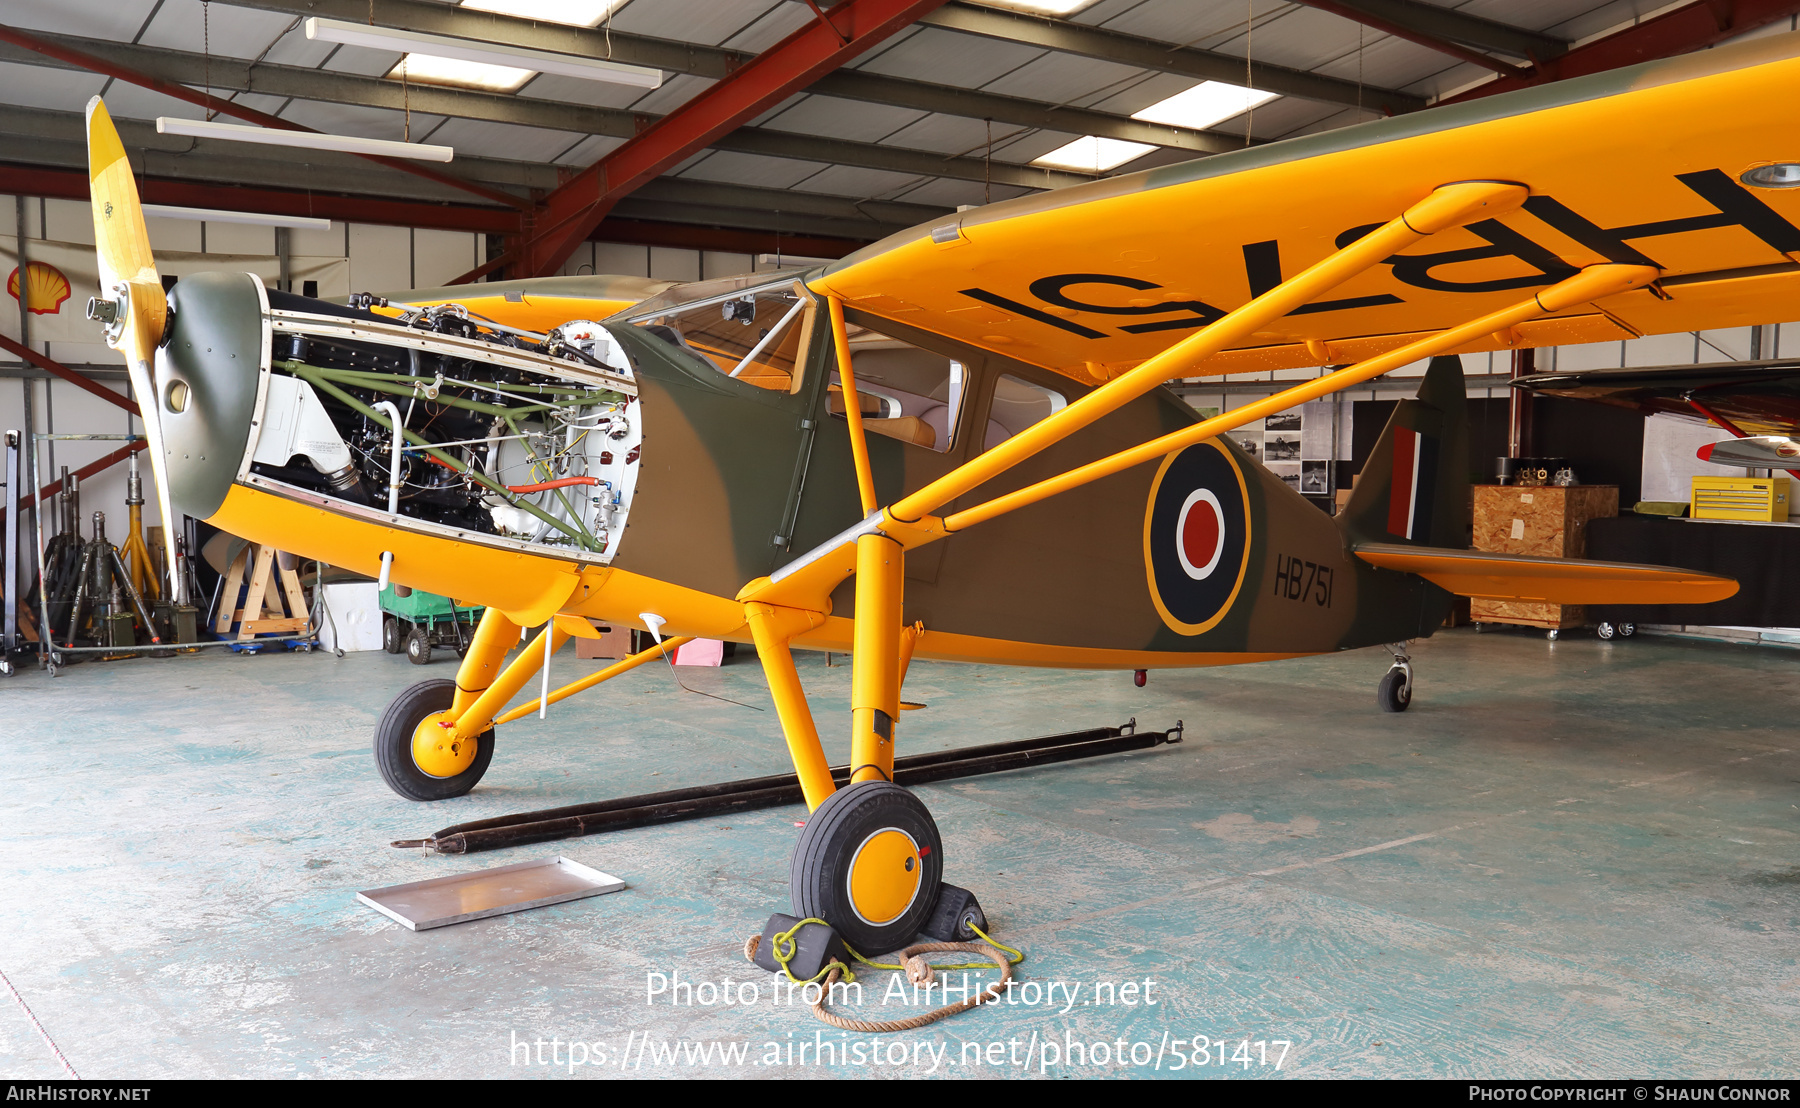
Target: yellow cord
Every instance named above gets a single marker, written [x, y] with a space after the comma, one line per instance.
[782, 947]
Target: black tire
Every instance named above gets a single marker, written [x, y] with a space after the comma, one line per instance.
[393, 745]
[418, 647]
[852, 818]
[390, 635]
[1394, 693]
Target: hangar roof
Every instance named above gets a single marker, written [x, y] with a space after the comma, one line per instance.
[970, 104]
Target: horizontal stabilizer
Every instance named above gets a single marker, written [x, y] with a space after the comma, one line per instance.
[1490, 576]
[1756, 452]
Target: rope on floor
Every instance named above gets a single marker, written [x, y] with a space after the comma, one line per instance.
[54, 1049]
[912, 963]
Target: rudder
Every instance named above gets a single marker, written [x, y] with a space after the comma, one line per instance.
[1415, 487]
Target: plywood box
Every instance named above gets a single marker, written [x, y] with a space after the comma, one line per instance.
[1544, 521]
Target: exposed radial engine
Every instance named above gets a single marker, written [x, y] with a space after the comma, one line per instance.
[531, 439]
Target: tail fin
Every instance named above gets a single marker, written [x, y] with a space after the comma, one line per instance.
[1415, 487]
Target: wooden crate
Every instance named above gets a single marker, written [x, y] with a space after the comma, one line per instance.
[1546, 521]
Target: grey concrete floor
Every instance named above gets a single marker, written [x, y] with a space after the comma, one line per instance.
[1577, 859]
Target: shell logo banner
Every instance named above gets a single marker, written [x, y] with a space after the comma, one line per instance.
[43, 290]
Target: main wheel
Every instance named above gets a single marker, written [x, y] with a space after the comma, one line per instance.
[869, 863]
[390, 635]
[1395, 691]
[418, 646]
[414, 756]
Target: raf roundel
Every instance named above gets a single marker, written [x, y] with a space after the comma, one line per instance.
[1196, 537]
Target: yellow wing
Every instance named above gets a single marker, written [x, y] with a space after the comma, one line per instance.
[1641, 166]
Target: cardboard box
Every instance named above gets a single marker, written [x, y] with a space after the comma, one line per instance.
[612, 643]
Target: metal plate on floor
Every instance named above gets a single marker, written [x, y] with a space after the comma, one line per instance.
[442, 901]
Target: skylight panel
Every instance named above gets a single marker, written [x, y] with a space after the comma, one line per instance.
[573, 13]
[1093, 154]
[1205, 104]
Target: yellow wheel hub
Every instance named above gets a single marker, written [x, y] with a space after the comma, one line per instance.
[436, 750]
[885, 873]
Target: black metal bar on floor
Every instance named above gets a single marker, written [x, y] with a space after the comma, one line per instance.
[774, 791]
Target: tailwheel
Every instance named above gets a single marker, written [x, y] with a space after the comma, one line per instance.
[1395, 691]
[415, 754]
[869, 862]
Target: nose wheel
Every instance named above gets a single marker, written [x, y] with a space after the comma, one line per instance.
[869, 862]
[1395, 691]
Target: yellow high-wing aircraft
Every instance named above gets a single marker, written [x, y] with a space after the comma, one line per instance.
[783, 460]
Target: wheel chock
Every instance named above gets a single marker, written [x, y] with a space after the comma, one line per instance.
[951, 919]
[814, 946]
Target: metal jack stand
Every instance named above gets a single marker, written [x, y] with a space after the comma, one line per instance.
[101, 580]
[9, 618]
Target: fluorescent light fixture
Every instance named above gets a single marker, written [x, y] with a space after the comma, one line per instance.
[1093, 155]
[573, 13]
[430, 70]
[489, 53]
[1205, 104]
[305, 140]
[213, 215]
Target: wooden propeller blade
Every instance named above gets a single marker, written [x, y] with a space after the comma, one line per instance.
[128, 274]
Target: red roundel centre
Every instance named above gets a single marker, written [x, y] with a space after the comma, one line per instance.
[1200, 533]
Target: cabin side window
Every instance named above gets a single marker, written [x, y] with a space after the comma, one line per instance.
[757, 338]
[905, 392]
[1018, 404]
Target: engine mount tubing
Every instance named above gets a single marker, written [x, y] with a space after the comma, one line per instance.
[302, 370]
[775, 791]
[1448, 206]
[480, 715]
[875, 676]
[625, 665]
[859, 441]
[813, 774]
[1592, 283]
[481, 664]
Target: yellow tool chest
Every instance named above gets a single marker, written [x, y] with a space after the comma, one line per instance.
[1763, 499]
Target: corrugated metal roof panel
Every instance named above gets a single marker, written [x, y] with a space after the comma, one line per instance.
[218, 28]
[778, 23]
[949, 194]
[705, 21]
[1064, 79]
[751, 169]
[128, 101]
[830, 117]
[590, 150]
[294, 48]
[840, 180]
[353, 119]
[30, 86]
[676, 91]
[574, 90]
[503, 140]
[108, 19]
[948, 58]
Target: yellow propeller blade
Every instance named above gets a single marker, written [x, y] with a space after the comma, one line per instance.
[128, 279]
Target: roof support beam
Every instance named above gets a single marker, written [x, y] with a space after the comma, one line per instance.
[1694, 27]
[1447, 25]
[375, 92]
[1112, 46]
[688, 232]
[569, 214]
[1411, 33]
[88, 61]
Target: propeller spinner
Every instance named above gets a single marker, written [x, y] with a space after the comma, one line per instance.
[131, 303]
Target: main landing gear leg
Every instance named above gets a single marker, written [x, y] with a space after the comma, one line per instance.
[1395, 691]
[436, 739]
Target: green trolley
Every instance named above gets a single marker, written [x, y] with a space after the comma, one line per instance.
[415, 621]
